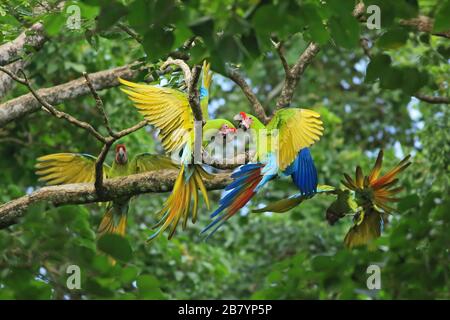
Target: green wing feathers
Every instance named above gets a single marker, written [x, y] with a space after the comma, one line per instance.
[64, 168]
[150, 162]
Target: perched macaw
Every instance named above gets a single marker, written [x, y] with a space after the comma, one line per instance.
[169, 110]
[297, 129]
[64, 168]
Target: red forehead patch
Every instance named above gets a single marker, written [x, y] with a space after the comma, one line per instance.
[243, 115]
[120, 146]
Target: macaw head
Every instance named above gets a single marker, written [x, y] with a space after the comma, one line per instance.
[121, 154]
[227, 128]
[216, 128]
[244, 120]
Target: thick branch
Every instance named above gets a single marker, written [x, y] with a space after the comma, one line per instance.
[193, 94]
[294, 74]
[432, 99]
[25, 104]
[33, 37]
[155, 181]
[257, 106]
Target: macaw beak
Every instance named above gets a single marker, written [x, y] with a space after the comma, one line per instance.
[121, 156]
[243, 122]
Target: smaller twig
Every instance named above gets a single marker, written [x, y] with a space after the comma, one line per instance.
[280, 50]
[365, 46]
[133, 34]
[130, 130]
[182, 65]
[99, 104]
[13, 76]
[257, 106]
[59, 114]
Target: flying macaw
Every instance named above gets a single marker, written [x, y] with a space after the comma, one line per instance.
[64, 168]
[372, 194]
[169, 110]
[296, 130]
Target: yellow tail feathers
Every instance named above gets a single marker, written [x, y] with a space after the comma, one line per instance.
[109, 223]
[178, 206]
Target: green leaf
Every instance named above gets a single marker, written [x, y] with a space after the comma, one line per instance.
[149, 287]
[110, 14]
[228, 49]
[316, 28]
[393, 38]
[408, 202]
[345, 32]
[116, 246]
[204, 27]
[158, 42]
[442, 19]
[377, 66]
[53, 23]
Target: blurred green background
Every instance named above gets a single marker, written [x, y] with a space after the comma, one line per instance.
[366, 104]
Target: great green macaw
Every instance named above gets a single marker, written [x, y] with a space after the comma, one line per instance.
[169, 110]
[296, 130]
[64, 168]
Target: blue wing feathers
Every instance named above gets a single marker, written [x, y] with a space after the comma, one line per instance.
[304, 173]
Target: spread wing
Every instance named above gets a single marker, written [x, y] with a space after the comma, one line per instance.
[63, 168]
[150, 162]
[297, 129]
[165, 108]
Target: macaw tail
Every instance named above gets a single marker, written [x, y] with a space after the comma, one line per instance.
[304, 174]
[242, 189]
[178, 205]
[368, 226]
[114, 221]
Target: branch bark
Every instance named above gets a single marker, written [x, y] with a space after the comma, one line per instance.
[294, 74]
[26, 104]
[155, 181]
[11, 51]
[432, 99]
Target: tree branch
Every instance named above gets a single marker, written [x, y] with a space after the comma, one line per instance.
[194, 95]
[83, 193]
[99, 104]
[432, 99]
[257, 106]
[59, 114]
[280, 50]
[26, 104]
[34, 37]
[424, 24]
[294, 74]
[182, 65]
